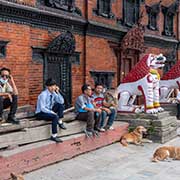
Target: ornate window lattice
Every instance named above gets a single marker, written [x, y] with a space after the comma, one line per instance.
[130, 12]
[3, 48]
[64, 44]
[104, 8]
[153, 12]
[66, 5]
[134, 39]
[169, 13]
[170, 59]
[103, 77]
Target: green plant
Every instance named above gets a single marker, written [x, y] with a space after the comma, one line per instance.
[151, 129]
[130, 129]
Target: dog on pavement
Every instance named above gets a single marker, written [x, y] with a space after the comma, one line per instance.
[134, 137]
[16, 177]
[165, 153]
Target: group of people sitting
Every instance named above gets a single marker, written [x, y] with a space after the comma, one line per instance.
[92, 107]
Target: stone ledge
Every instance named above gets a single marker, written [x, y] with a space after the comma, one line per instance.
[162, 127]
[36, 158]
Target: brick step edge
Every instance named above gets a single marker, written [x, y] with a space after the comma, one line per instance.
[36, 158]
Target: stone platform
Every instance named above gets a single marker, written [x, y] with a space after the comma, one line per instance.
[162, 127]
[34, 156]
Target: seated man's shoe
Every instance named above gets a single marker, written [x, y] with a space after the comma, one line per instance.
[56, 139]
[95, 133]
[2, 120]
[62, 126]
[13, 120]
[88, 133]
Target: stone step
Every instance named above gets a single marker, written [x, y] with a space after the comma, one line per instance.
[172, 108]
[22, 112]
[25, 159]
[31, 122]
[37, 133]
[165, 121]
[149, 122]
[131, 116]
[163, 136]
[158, 127]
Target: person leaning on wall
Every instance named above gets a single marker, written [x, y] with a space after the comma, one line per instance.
[8, 95]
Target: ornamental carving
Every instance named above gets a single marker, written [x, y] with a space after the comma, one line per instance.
[64, 44]
[66, 5]
[134, 39]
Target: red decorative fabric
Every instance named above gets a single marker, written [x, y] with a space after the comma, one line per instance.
[139, 71]
[173, 73]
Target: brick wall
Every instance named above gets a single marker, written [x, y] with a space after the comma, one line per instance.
[99, 57]
[18, 56]
[95, 52]
[25, 2]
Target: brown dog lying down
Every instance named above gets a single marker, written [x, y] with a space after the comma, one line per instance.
[16, 177]
[165, 152]
[135, 137]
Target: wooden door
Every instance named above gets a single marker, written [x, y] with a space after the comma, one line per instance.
[59, 68]
[127, 61]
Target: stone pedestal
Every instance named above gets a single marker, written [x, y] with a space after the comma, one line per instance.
[162, 127]
[172, 108]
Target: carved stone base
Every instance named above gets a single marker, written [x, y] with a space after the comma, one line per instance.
[161, 127]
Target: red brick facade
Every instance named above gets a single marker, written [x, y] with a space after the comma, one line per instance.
[95, 51]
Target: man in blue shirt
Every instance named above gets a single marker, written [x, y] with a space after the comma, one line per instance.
[50, 107]
[86, 111]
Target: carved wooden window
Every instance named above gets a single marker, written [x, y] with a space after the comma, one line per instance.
[171, 59]
[3, 49]
[169, 13]
[104, 8]
[103, 77]
[153, 12]
[66, 5]
[130, 12]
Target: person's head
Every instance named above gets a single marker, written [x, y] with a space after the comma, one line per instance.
[5, 75]
[51, 84]
[86, 89]
[98, 88]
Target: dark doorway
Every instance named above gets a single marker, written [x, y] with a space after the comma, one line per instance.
[57, 64]
[127, 60]
[59, 68]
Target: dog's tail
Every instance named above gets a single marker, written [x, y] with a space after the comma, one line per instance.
[123, 142]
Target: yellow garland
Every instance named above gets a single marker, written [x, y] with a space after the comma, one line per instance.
[154, 71]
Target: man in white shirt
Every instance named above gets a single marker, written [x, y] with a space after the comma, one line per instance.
[50, 107]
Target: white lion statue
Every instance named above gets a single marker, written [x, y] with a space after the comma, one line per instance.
[169, 82]
[143, 79]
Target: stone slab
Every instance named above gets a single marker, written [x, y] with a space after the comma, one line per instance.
[32, 122]
[39, 133]
[36, 158]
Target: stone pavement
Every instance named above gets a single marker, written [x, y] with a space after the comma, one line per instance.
[113, 162]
